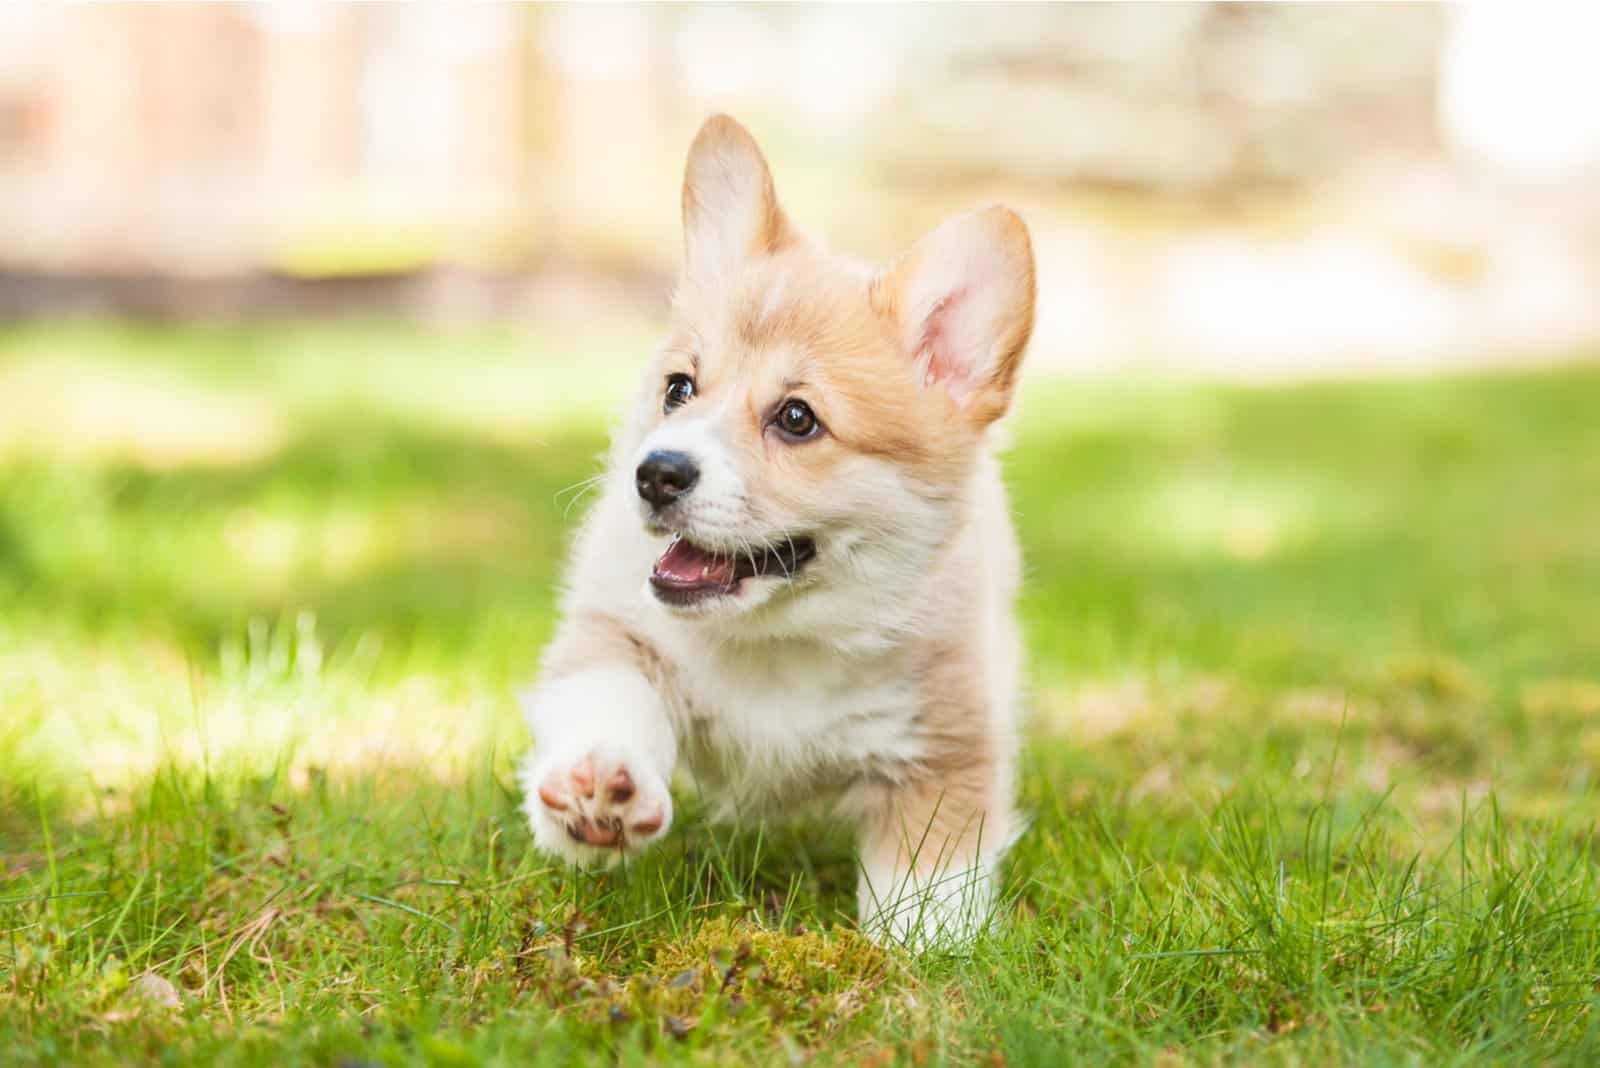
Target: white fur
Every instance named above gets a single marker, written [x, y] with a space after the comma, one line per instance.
[613, 717]
[792, 702]
[717, 507]
[945, 908]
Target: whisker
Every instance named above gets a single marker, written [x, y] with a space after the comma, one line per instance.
[750, 552]
[579, 486]
[786, 572]
[579, 491]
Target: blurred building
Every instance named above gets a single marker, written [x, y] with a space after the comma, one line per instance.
[1240, 180]
[205, 138]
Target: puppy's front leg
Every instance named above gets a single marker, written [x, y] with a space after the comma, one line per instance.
[595, 786]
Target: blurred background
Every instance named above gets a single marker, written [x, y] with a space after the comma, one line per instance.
[312, 319]
[1242, 189]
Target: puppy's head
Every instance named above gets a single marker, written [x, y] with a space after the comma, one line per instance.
[805, 438]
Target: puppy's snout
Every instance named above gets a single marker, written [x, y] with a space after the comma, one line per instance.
[663, 477]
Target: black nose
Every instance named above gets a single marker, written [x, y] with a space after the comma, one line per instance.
[665, 476]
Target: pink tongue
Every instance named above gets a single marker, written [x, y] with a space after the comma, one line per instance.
[684, 564]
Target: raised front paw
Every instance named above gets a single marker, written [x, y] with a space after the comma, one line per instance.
[597, 808]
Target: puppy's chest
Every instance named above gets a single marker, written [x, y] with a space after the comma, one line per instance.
[763, 731]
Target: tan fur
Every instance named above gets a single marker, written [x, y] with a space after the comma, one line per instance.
[823, 343]
[598, 639]
[1004, 230]
[954, 800]
[726, 164]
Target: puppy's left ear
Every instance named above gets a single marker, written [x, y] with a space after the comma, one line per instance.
[962, 304]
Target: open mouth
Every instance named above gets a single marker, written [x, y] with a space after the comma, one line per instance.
[686, 573]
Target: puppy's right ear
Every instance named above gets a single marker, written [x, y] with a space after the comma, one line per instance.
[730, 208]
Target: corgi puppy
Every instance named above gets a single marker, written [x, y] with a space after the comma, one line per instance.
[798, 581]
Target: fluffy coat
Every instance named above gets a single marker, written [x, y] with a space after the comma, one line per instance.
[851, 637]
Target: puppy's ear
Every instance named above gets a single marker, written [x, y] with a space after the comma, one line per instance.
[730, 209]
[962, 304]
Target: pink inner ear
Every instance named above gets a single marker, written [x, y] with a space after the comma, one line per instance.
[938, 345]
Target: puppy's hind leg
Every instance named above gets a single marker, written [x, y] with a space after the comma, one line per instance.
[928, 856]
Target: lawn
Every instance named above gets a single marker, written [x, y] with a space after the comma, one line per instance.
[1314, 729]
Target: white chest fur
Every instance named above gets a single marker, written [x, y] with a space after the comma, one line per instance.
[770, 724]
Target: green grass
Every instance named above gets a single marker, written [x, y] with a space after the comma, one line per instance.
[1314, 729]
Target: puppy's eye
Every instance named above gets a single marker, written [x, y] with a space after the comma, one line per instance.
[796, 419]
[680, 388]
